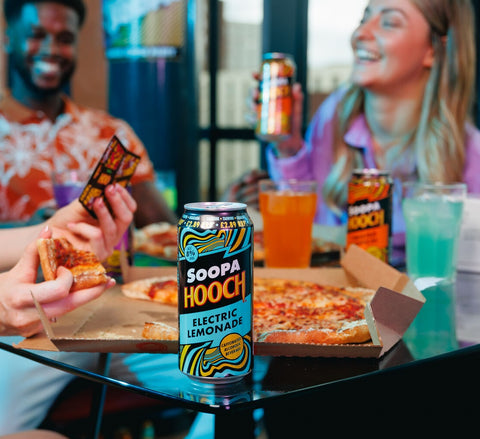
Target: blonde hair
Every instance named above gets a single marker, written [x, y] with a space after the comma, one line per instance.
[447, 103]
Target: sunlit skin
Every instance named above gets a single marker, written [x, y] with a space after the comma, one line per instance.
[392, 48]
[393, 56]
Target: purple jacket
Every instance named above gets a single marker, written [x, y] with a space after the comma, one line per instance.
[314, 160]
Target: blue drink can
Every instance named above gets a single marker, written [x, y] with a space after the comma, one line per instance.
[215, 291]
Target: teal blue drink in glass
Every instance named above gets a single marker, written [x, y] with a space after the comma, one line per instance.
[433, 215]
[433, 226]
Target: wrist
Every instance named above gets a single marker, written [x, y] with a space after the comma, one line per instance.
[286, 149]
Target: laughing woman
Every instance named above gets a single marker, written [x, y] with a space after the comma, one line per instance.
[406, 109]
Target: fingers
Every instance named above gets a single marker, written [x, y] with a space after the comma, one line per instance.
[55, 300]
[297, 113]
[111, 225]
[245, 189]
[254, 176]
[123, 207]
[27, 266]
[119, 191]
[54, 290]
[46, 233]
[74, 300]
[20, 315]
[248, 194]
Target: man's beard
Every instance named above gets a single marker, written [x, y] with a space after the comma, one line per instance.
[21, 68]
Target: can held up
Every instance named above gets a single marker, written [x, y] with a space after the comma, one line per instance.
[274, 119]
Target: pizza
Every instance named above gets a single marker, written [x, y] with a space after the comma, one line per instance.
[258, 246]
[85, 267]
[161, 289]
[284, 311]
[160, 239]
[293, 311]
[157, 239]
[159, 331]
[319, 246]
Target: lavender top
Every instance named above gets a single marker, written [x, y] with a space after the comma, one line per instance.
[314, 160]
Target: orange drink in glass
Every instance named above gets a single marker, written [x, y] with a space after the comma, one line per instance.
[288, 209]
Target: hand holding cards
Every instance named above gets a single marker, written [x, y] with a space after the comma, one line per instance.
[117, 165]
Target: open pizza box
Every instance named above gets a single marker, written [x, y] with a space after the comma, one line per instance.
[114, 323]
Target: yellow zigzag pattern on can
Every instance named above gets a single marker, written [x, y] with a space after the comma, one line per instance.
[204, 361]
[211, 241]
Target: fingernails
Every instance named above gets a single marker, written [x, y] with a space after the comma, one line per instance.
[99, 202]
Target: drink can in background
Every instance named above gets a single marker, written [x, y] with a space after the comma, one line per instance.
[275, 107]
[215, 291]
[370, 212]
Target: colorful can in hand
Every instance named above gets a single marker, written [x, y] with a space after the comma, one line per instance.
[215, 291]
[370, 212]
[275, 101]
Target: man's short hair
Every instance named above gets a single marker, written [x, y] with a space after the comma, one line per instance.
[13, 8]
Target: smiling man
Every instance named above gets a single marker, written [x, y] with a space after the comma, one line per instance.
[42, 130]
[42, 42]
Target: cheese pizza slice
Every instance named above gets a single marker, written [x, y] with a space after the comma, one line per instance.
[161, 289]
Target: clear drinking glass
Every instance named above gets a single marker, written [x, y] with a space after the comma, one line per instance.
[288, 209]
[68, 185]
[433, 215]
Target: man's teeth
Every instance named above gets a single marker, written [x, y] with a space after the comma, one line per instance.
[46, 67]
[367, 55]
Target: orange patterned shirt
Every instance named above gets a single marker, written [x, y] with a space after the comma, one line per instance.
[32, 147]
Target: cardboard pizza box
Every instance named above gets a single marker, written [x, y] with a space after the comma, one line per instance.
[114, 323]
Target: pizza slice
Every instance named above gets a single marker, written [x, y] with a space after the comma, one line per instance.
[284, 311]
[159, 331]
[161, 289]
[157, 239]
[85, 267]
[308, 328]
[258, 246]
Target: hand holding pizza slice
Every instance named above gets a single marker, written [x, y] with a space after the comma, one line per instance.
[85, 267]
[19, 287]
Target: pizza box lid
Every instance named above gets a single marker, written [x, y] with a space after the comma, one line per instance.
[114, 323]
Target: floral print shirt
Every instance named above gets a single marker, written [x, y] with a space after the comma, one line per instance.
[32, 147]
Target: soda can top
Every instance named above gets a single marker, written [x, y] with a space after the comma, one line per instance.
[276, 55]
[215, 206]
[370, 172]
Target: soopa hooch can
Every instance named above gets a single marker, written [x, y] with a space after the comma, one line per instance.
[215, 291]
[274, 119]
[370, 211]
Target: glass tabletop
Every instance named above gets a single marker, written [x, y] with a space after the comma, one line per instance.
[274, 378]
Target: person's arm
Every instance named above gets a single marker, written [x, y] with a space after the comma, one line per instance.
[18, 315]
[76, 224]
[245, 189]
[152, 207]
